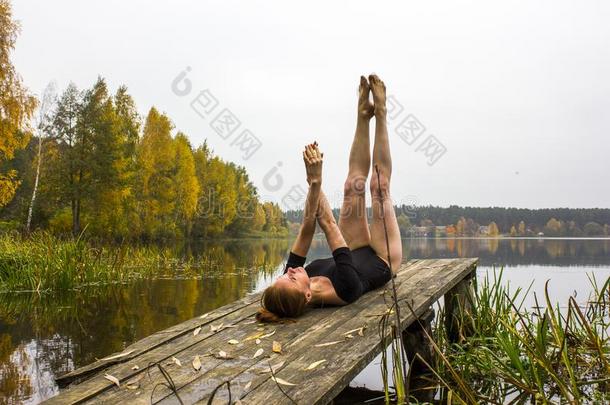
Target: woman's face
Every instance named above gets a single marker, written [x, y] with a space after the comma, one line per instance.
[295, 278]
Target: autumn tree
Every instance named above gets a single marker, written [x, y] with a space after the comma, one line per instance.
[513, 231]
[16, 105]
[185, 183]
[493, 229]
[70, 163]
[156, 156]
[521, 228]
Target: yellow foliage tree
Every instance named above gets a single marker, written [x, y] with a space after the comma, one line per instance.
[16, 105]
[186, 183]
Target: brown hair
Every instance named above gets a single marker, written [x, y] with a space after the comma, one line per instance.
[279, 303]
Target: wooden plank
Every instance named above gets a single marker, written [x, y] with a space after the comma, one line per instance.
[345, 361]
[424, 279]
[216, 371]
[296, 338]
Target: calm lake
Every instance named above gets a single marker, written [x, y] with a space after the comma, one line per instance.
[45, 336]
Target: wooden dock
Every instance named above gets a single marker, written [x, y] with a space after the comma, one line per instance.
[319, 355]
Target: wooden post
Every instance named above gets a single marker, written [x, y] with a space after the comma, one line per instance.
[415, 342]
[458, 309]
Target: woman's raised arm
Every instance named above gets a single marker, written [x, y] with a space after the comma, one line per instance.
[313, 167]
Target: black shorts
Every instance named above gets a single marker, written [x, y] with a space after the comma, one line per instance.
[373, 271]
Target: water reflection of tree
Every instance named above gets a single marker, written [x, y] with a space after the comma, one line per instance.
[513, 251]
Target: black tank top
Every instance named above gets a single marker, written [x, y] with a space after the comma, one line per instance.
[352, 273]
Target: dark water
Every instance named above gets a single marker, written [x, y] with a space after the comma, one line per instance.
[45, 336]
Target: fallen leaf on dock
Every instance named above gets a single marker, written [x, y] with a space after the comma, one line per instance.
[268, 334]
[117, 356]
[349, 336]
[254, 336]
[222, 354]
[233, 342]
[258, 353]
[216, 328]
[248, 385]
[175, 360]
[136, 367]
[277, 347]
[197, 363]
[280, 381]
[329, 343]
[204, 316]
[258, 341]
[113, 379]
[314, 365]
[196, 331]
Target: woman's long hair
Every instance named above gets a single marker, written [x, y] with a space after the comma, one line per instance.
[280, 303]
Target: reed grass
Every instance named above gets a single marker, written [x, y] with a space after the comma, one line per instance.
[511, 354]
[43, 262]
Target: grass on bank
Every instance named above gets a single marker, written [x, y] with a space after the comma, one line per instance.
[510, 354]
[44, 262]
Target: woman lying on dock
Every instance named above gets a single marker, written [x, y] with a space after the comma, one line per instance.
[360, 256]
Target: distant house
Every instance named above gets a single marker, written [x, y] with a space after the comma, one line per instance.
[420, 231]
[440, 231]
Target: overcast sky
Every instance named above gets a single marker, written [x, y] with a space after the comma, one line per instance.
[518, 93]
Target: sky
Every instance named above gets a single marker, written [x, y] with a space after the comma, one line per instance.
[492, 103]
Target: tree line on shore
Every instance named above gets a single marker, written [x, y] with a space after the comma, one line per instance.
[102, 169]
[494, 221]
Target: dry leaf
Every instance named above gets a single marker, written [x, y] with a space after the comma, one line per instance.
[204, 316]
[254, 336]
[248, 385]
[233, 342]
[116, 356]
[196, 331]
[132, 386]
[280, 381]
[216, 328]
[258, 353]
[361, 331]
[277, 347]
[136, 367]
[223, 355]
[349, 336]
[258, 341]
[314, 365]
[329, 343]
[113, 379]
[268, 334]
[175, 360]
[197, 363]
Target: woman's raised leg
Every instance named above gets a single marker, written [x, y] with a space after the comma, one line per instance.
[352, 219]
[380, 187]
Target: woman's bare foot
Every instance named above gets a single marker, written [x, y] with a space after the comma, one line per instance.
[365, 107]
[378, 90]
